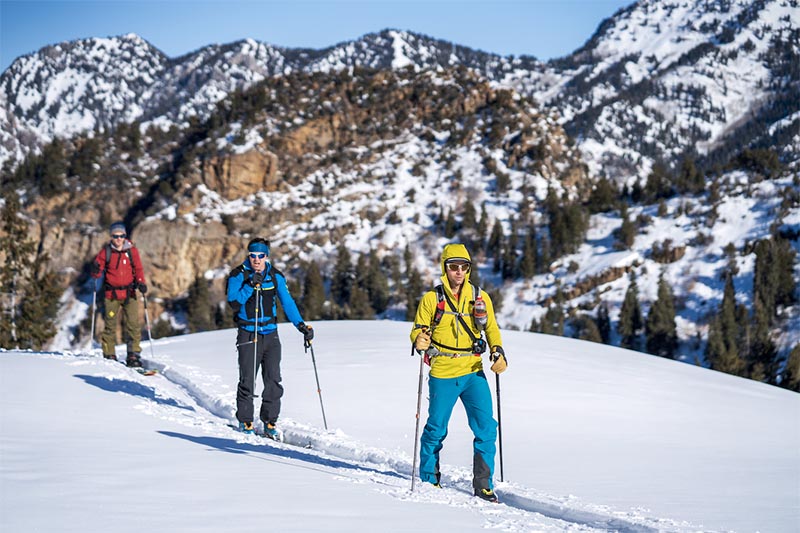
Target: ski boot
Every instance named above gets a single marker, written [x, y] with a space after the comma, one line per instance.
[486, 495]
[134, 360]
[272, 432]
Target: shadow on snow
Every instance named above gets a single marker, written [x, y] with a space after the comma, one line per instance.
[238, 447]
[132, 388]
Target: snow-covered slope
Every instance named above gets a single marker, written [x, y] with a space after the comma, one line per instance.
[595, 439]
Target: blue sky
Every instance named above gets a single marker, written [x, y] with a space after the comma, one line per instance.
[542, 28]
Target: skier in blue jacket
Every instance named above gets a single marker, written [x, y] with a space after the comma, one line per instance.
[254, 288]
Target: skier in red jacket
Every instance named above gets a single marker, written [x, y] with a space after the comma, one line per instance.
[120, 262]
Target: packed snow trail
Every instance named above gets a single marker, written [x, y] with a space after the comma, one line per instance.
[178, 395]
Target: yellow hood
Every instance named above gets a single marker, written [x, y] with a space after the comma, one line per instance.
[454, 251]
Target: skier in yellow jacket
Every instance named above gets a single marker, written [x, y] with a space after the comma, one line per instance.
[448, 330]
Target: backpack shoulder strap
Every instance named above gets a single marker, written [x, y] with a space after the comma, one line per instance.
[476, 292]
[234, 272]
[108, 256]
[274, 273]
[439, 313]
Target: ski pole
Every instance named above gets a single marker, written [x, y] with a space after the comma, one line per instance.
[94, 311]
[147, 323]
[499, 424]
[307, 345]
[255, 342]
[416, 430]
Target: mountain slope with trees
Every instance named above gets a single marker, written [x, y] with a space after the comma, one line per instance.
[360, 161]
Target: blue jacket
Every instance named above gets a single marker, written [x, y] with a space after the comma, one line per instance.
[242, 299]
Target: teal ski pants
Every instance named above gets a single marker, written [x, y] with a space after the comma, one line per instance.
[473, 390]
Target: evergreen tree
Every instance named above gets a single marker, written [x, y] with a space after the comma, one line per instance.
[552, 322]
[450, 225]
[52, 169]
[791, 373]
[199, 311]
[14, 243]
[17, 275]
[84, 159]
[660, 330]
[567, 225]
[359, 307]
[626, 233]
[603, 323]
[637, 192]
[659, 184]
[377, 284]
[585, 328]
[483, 226]
[544, 255]
[509, 260]
[764, 360]
[468, 217]
[773, 279]
[528, 263]
[689, 178]
[413, 293]
[603, 196]
[730, 252]
[343, 277]
[313, 300]
[494, 245]
[38, 308]
[765, 277]
[722, 349]
[630, 316]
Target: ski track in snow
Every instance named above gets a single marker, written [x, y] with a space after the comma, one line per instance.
[171, 395]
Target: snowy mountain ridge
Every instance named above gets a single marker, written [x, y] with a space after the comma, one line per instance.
[657, 80]
[322, 151]
[664, 78]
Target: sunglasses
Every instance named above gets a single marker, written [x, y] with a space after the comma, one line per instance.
[258, 256]
[118, 236]
[455, 267]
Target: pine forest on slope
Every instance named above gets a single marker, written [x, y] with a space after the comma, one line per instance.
[609, 195]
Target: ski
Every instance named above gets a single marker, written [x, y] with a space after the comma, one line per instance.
[139, 369]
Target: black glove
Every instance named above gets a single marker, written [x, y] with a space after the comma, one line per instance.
[142, 287]
[95, 268]
[258, 278]
[307, 331]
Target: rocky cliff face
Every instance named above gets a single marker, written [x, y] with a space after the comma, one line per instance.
[193, 198]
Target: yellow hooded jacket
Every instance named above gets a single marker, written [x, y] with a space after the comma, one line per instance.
[450, 332]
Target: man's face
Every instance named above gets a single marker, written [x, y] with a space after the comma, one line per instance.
[456, 271]
[258, 260]
[118, 239]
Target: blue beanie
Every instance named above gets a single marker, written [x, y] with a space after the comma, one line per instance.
[117, 226]
[258, 247]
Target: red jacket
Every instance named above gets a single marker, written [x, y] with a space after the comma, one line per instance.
[121, 270]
